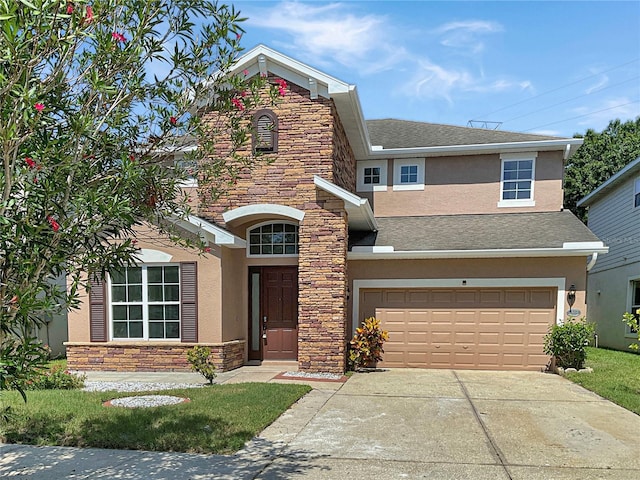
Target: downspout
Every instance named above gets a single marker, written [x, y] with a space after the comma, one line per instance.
[592, 262]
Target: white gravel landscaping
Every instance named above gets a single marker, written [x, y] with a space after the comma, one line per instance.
[136, 386]
[329, 376]
[146, 401]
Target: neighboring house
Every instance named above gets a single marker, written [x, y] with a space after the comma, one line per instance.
[454, 237]
[614, 281]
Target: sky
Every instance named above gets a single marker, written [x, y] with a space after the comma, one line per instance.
[546, 67]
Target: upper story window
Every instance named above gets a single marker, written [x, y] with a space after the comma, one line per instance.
[517, 180]
[145, 302]
[279, 239]
[636, 193]
[372, 176]
[408, 174]
[265, 137]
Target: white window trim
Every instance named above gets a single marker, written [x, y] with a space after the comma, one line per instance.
[397, 166]
[368, 187]
[557, 282]
[145, 313]
[636, 191]
[192, 182]
[271, 222]
[507, 157]
[627, 330]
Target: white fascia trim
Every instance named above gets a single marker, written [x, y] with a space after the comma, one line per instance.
[351, 200]
[261, 209]
[557, 282]
[199, 226]
[572, 250]
[375, 249]
[586, 201]
[537, 145]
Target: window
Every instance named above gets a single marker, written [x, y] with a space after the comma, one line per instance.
[265, 138]
[274, 239]
[145, 302]
[408, 174]
[372, 176]
[636, 193]
[517, 177]
[634, 304]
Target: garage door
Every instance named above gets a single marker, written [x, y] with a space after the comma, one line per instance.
[496, 329]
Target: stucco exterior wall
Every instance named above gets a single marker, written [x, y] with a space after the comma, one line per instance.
[468, 185]
[573, 269]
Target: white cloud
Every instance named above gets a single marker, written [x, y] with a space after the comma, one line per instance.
[466, 35]
[598, 116]
[337, 33]
[330, 31]
[604, 80]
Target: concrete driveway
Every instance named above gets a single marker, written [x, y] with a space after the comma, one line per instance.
[444, 424]
[395, 424]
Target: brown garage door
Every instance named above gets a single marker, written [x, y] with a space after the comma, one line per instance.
[487, 328]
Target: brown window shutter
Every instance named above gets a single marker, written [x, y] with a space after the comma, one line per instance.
[189, 302]
[97, 311]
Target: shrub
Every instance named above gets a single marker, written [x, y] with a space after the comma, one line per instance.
[633, 321]
[568, 342]
[200, 359]
[366, 346]
[54, 378]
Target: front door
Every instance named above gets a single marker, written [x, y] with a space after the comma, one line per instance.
[273, 323]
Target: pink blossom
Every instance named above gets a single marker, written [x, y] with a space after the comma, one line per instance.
[173, 120]
[238, 36]
[118, 37]
[30, 162]
[245, 72]
[54, 225]
[134, 241]
[69, 8]
[89, 16]
[282, 91]
[39, 106]
[243, 94]
[207, 249]
[237, 103]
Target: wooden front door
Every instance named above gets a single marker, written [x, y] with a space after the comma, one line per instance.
[273, 323]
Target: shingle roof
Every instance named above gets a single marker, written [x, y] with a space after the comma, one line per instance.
[391, 133]
[476, 232]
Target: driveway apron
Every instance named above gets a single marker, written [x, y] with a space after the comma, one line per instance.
[444, 424]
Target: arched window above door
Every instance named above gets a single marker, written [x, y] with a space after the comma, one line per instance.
[273, 239]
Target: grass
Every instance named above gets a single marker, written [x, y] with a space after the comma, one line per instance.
[218, 419]
[616, 377]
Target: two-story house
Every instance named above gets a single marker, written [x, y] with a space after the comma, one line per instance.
[455, 238]
[614, 282]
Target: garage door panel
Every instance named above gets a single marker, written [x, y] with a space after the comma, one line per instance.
[464, 328]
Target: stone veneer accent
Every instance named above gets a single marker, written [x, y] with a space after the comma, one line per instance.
[140, 357]
[311, 141]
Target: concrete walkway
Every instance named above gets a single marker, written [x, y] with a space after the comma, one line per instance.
[438, 424]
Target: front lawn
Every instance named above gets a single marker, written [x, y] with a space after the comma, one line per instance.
[616, 377]
[218, 419]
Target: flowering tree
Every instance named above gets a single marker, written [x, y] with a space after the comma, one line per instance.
[94, 97]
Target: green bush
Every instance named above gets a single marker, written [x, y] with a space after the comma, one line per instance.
[54, 378]
[567, 343]
[366, 346]
[200, 359]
